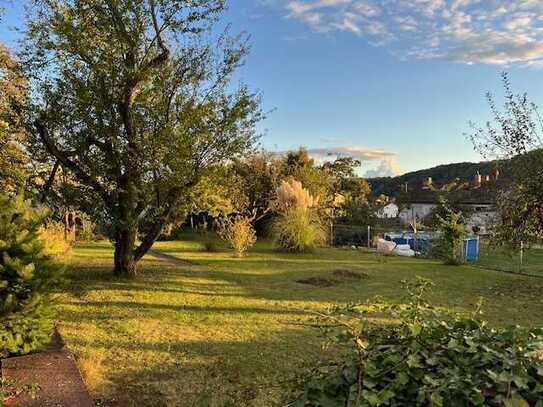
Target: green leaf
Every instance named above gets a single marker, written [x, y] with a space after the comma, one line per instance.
[516, 401]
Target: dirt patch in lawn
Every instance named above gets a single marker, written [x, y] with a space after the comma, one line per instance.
[532, 289]
[337, 277]
[344, 274]
[319, 281]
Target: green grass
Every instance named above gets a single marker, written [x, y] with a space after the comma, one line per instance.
[230, 331]
[504, 260]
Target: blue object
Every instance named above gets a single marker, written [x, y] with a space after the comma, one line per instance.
[420, 242]
[471, 249]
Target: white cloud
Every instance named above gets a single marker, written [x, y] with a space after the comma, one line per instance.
[381, 163]
[386, 168]
[465, 31]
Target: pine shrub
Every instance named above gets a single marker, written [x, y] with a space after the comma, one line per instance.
[27, 276]
[453, 231]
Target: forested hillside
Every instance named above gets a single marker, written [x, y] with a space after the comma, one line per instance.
[441, 174]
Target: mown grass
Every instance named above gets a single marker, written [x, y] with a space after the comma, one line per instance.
[505, 260]
[228, 331]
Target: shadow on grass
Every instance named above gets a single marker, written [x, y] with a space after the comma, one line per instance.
[204, 373]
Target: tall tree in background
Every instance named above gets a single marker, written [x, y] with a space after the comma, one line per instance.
[13, 91]
[133, 97]
[516, 133]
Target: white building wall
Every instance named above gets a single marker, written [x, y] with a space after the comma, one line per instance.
[483, 217]
[416, 211]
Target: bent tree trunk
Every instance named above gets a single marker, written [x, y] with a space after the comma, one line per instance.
[127, 253]
[125, 256]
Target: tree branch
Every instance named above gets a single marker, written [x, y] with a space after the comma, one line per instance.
[64, 158]
[49, 182]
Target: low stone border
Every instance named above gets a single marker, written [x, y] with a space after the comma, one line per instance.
[54, 372]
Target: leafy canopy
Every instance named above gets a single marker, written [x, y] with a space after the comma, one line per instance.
[133, 97]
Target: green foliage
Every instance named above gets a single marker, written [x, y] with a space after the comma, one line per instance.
[207, 238]
[453, 231]
[515, 134]
[13, 158]
[431, 358]
[299, 166]
[258, 174]
[357, 211]
[134, 99]
[27, 275]
[56, 242]
[298, 229]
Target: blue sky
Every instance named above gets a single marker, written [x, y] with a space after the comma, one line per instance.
[394, 82]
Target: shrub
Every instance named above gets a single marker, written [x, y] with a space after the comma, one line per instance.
[430, 358]
[298, 230]
[207, 239]
[453, 232]
[27, 275]
[87, 233]
[56, 242]
[209, 244]
[238, 232]
[297, 227]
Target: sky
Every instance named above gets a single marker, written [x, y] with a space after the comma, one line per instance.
[394, 83]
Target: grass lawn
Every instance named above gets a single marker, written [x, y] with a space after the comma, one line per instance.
[228, 331]
[503, 260]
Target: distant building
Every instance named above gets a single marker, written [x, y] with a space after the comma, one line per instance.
[477, 200]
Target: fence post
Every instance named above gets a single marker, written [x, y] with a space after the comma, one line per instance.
[369, 240]
[521, 254]
[331, 234]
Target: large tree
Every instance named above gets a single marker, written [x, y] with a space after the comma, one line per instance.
[134, 98]
[13, 159]
[516, 135]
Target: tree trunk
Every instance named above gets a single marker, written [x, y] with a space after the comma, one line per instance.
[125, 257]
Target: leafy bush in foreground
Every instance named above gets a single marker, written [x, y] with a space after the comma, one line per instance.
[26, 276]
[430, 358]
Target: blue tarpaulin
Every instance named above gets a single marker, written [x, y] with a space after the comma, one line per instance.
[420, 242]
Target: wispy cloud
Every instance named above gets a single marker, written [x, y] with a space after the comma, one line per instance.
[464, 31]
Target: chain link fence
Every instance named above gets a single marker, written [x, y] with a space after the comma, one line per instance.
[351, 235]
[529, 260]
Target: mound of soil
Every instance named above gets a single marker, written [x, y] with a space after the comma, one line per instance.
[319, 281]
[339, 276]
[349, 274]
[531, 289]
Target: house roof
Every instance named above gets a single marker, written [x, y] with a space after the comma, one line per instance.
[462, 193]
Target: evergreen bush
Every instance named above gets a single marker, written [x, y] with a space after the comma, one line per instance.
[453, 231]
[27, 276]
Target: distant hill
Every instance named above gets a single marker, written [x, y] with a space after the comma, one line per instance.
[441, 174]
